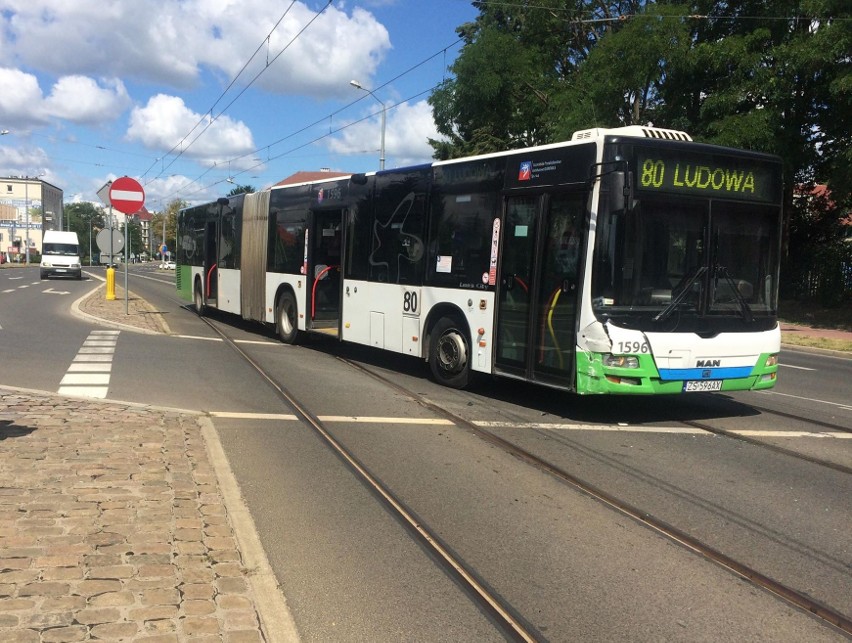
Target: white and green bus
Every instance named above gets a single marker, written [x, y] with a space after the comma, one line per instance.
[624, 261]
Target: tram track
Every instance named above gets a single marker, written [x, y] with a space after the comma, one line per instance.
[513, 626]
[772, 447]
[503, 615]
[696, 545]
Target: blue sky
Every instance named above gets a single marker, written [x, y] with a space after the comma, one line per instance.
[183, 95]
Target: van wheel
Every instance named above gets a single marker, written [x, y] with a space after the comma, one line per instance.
[287, 318]
[198, 301]
[449, 354]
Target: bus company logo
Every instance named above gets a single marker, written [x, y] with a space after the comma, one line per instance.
[525, 173]
[708, 363]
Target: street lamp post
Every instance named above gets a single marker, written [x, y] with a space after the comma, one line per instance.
[27, 218]
[27, 211]
[358, 85]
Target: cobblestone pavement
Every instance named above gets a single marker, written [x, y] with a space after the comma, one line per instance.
[122, 522]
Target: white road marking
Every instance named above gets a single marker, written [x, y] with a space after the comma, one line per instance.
[96, 350]
[807, 399]
[800, 368]
[619, 428]
[89, 373]
[252, 416]
[85, 379]
[90, 368]
[836, 435]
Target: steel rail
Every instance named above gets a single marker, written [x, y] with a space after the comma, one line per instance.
[511, 624]
[788, 594]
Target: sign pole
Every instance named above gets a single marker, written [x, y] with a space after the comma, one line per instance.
[128, 197]
[110, 272]
[126, 259]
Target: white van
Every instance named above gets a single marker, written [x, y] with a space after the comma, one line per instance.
[60, 254]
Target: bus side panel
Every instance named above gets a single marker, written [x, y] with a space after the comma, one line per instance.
[477, 308]
[382, 315]
[229, 291]
[393, 317]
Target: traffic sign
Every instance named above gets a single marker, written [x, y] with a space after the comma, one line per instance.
[110, 243]
[126, 195]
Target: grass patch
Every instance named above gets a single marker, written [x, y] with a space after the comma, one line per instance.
[796, 339]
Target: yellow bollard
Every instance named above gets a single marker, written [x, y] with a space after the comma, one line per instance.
[110, 284]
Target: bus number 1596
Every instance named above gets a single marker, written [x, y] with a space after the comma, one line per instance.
[633, 347]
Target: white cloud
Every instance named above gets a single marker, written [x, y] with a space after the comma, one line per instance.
[16, 160]
[172, 42]
[408, 128]
[73, 98]
[165, 121]
[21, 99]
[81, 100]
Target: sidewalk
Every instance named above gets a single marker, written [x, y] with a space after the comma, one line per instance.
[123, 522]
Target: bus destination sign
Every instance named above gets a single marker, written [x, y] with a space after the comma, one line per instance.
[666, 170]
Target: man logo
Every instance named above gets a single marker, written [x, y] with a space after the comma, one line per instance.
[708, 363]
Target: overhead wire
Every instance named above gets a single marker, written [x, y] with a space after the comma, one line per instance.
[317, 122]
[211, 119]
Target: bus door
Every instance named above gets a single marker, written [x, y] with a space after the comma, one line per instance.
[540, 265]
[210, 262]
[324, 264]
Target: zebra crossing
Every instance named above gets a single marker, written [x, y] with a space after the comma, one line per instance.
[89, 373]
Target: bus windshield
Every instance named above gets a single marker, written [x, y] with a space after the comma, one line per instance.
[687, 261]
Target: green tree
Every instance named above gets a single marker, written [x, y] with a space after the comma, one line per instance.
[517, 61]
[169, 215]
[773, 77]
[86, 219]
[242, 189]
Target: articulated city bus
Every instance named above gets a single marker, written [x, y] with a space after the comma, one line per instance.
[624, 261]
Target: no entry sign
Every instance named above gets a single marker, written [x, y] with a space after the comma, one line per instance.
[126, 195]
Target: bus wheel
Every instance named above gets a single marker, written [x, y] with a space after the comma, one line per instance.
[286, 320]
[198, 300]
[449, 354]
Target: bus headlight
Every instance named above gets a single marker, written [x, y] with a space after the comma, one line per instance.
[620, 361]
[772, 360]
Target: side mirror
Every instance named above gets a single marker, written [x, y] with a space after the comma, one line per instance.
[621, 190]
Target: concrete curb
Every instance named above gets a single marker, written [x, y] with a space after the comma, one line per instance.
[76, 311]
[816, 351]
[278, 623]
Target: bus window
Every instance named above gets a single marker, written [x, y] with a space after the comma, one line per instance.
[287, 240]
[229, 250]
[461, 238]
[397, 243]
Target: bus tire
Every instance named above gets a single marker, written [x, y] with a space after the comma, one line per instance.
[287, 318]
[449, 354]
[198, 300]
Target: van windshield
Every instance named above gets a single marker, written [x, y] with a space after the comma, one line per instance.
[66, 249]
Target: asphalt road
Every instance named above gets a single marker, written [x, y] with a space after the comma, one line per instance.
[570, 567]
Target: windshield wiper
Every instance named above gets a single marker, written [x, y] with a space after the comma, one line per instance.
[668, 310]
[745, 309]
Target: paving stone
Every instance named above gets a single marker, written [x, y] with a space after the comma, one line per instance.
[115, 534]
